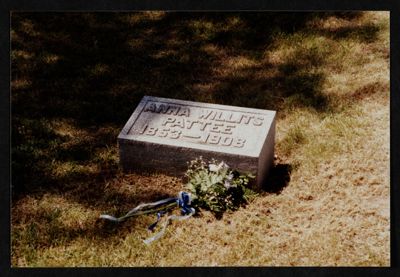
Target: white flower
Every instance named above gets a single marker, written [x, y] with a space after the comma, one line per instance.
[227, 184]
[216, 168]
[213, 167]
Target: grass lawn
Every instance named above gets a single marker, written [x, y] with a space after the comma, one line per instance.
[77, 77]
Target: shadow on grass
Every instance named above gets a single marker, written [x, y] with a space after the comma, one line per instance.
[278, 178]
[44, 226]
[93, 68]
[292, 87]
[48, 230]
[365, 33]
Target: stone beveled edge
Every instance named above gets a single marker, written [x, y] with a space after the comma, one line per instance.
[123, 135]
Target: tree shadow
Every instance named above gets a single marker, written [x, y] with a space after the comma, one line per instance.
[93, 68]
[365, 33]
[290, 87]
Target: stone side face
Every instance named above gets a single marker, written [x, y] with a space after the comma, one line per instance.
[141, 156]
[162, 135]
[266, 158]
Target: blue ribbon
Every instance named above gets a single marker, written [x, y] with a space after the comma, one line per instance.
[159, 234]
[139, 210]
[152, 226]
[183, 201]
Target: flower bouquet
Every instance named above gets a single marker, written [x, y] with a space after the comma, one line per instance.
[216, 187]
[212, 186]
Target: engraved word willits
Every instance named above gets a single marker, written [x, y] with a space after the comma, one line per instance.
[179, 130]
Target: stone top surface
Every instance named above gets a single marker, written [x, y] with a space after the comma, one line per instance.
[210, 127]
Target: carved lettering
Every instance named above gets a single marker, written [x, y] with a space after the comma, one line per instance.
[231, 118]
[150, 108]
[216, 127]
[168, 120]
[189, 123]
[167, 109]
[205, 138]
[238, 142]
[163, 132]
[172, 110]
[162, 108]
[150, 131]
[203, 125]
[226, 141]
[219, 116]
[175, 134]
[228, 129]
[246, 118]
[213, 139]
[191, 137]
[179, 122]
[213, 126]
[141, 131]
[258, 121]
[205, 114]
[184, 112]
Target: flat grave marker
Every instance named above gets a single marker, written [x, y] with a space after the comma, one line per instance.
[163, 134]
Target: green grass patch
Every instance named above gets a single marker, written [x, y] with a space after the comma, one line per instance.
[293, 140]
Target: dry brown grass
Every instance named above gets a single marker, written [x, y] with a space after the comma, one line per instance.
[332, 131]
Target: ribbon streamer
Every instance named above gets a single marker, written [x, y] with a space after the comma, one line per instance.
[152, 226]
[159, 234]
[138, 210]
[183, 201]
